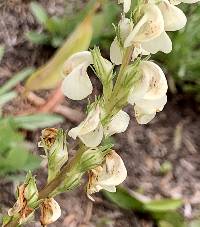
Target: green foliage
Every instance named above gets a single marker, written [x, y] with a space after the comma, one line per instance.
[56, 29]
[14, 155]
[183, 64]
[163, 211]
[33, 122]
[15, 80]
[14, 150]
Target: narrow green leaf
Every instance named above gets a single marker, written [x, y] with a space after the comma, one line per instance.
[15, 80]
[7, 97]
[163, 205]
[173, 218]
[123, 199]
[39, 12]
[32, 122]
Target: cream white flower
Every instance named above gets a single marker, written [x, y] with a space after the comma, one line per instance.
[116, 50]
[90, 131]
[118, 124]
[127, 5]
[50, 211]
[161, 43]
[152, 83]
[77, 84]
[148, 94]
[150, 26]
[174, 18]
[107, 176]
[145, 110]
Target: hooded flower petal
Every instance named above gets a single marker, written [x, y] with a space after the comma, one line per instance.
[90, 131]
[125, 27]
[161, 43]
[88, 125]
[110, 174]
[152, 106]
[174, 18]
[145, 110]
[50, 211]
[149, 27]
[141, 117]
[76, 60]
[118, 124]
[77, 84]
[116, 52]
[127, 5]
[94, 138]
[152, 83]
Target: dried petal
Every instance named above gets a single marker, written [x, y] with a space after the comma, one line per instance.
[50, 211]
[110, 174]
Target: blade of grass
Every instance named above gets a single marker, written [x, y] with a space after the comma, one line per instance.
[15, 80]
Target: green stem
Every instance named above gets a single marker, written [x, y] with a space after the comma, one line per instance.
[55, 183]
[110, 106]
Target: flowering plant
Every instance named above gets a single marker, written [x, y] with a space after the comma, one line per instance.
[139, 82]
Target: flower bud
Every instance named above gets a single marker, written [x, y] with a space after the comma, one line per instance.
[50, 211]
[93, 157]
[27, 199]
[54, 143]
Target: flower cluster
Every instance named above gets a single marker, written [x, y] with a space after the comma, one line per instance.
[140, 82]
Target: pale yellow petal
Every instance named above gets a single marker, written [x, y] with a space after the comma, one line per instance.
[77, 84]
[94, 138]
[115, 52]
[161, 43]
[174, 18]
[149, 27]
[118, 124]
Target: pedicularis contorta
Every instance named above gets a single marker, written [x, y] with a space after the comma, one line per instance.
[138, 82]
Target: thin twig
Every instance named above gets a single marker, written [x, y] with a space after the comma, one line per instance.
[71, 114]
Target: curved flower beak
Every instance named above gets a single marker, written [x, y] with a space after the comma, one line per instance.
[150, 26]
[107, 176]
[50, 211]
[77, 84]
[174, 18]
[118, 124]
[90, 131]
[127, 5]
[161, 43]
